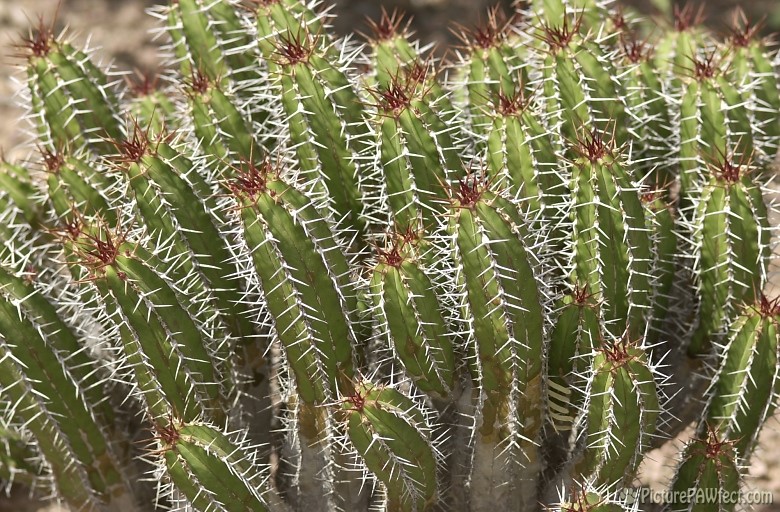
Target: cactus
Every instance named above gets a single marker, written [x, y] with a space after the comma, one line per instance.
[307, 275]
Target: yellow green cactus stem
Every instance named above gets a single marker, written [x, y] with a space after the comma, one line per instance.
[72, 102]
[391, 50]
[326, 123]
[574, 338]
[17, 457]
[622, 412]
[215, 470]
[175, 203]
[172, 354]
[151, 106]
[305, 280]
[223, 132]
[580, 83]
[312, 306]
[393, 438]
[522, 158]
[491, 65]
[707, 479]
[49, 386]
[648, 111]
[752, 72]
[410, 316]
[731, 234]
[501, 303]
[416, 155]
[211, 36]
[678, 46]
[610, 241]
[662, 220]
[742, 395]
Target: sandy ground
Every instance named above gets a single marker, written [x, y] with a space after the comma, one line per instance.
[121, 29]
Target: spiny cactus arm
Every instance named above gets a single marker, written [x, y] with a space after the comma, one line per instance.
[214, 471]
[410, 164]
[77, 103]
[501, 300]
[409, 314]
[703, 131]
[391, 49]
[282, 224]
[732, 236]
[19, 401]
[218, 124]
[662, 220]
[742, 396]
[58, 397]
[327, 133]
[51, 109]
[648, 107]
[708, 468]
[189, 203]
[750, 66]
[15, 181]
[574, 338]
[621, 414]
[195, 38]
[151, 106]
[613, 259]
[74, 187]
[392, 436]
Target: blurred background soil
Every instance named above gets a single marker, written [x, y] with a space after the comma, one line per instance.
[123, 32]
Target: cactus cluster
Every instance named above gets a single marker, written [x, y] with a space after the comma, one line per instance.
[302, 272]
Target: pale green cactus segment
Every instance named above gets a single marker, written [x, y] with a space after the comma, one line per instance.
[581, 86]
[731, 232]
[622, 412]
[286, 20]
[750, 67]
[748, 371]
[153, 110]
[703, 133]
[556, 13]
[563, 91]
[58, 126]
[77, 104]
[573, 341]
[662, 221]
[97, 107]
[172, 356]
[219, 124]
[74, 187]
[391, 50]
[408, 310]
[500, 289]
[304, 277]
[648, 114]
[708, 468]
[195, 29]
[611, 242]
[326, 133]
[59, 395]
[68, 478]
[393, 438]
[60, 338]
[494, 67]
[521, 157]
[414, 171]
[20, 209]
[215, 472]
[187, 200]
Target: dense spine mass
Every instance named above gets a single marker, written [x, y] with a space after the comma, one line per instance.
[297, 274]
